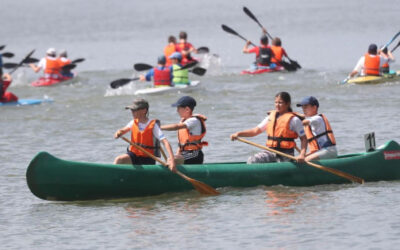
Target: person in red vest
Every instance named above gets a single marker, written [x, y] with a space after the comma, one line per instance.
[282, 127]
[371, 63]
[50, 65]
[185, 48]
[5, 82]
[145, 133]
[170, 49]
[278, 51]
[191, 130]
[161, 74]
[321, 141]
[264, 54]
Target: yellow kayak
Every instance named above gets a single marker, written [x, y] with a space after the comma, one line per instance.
[395, 75]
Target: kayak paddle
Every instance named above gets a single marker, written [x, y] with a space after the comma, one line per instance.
[294, 63]
[198, 71]
[78, 60]
[203, 50]
[31, 60]
[2, 47]
[7, 54]
[395, 47]
[22, 62]
[121, 82]
[330, 170]
[68, 67]
[391, 40]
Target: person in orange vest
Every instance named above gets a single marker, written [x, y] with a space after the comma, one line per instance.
[371, 63]
[321, 141]
[282, 127]
[5, 82]
[264, 54]
[145, 133]
[161, 74]
[50, 65]
[191, 130]
[185, 48]
[388, 54]
[278, 51]
[63, 60]
[169, 49]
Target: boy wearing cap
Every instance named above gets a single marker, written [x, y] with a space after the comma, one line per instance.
[180, 76]
[371, 62]
[145, 133]
[321, 141]
[191, 130]
[162, 75]
[49, 64]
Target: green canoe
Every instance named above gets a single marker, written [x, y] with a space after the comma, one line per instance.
[393, 76]
[51, 178]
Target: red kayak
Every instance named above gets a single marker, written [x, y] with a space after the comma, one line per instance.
[261, 71]
[42, 81]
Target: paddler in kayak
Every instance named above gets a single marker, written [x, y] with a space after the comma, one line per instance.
[371, 63]
[180, 77]
[191, 130]
[63, 60]
[387, 53]
[169, 49]
[185, 48]
[319, 134]
[161, 74]
[282, 127]
[147, 134]
[264, 54]
[5, 82]
[50, 65]
[278, 51]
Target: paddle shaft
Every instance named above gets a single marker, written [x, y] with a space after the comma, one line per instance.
[330, 170]
[22, 62]
[231, 31]
[398, 44]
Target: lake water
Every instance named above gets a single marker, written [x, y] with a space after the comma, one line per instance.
[325, 37]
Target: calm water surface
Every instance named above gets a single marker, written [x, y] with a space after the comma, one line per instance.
[326, 37]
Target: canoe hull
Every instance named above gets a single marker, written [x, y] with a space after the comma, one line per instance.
[51, 178]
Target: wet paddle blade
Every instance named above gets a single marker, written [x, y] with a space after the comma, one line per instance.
[203, 50]
[142, 66]
[295, 64]
[199, 186]
[288, 66]
[78, 60]
[68, 67]
[189, 65]
[121, 82]
[199, 71]
[7, 54]
[10, 65]
[31, 60]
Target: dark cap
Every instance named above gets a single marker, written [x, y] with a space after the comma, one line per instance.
[161, 60]
[372, 49]
[185, 101]
[138, 104]
[264, 39]
[309, 100]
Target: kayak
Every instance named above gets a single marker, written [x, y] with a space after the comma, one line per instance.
[42, 81]
[261, 71]
[393, 76]
[25, 102]
[51, 178]
[161, 90]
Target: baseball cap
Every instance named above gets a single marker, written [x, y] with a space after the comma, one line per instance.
[309, 100]
[138, 104]
[51, 51]
[175, 55]
[185, 101]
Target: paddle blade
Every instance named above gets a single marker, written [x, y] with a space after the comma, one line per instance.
[295, 64]
[7, 54]
[142, 66]
[31, 60]
[229, 30]
[288, 66]
[203, 50]
[22, 62]
[68, 67]
[199, 186]
[189, 65]
[10, 65]
[121, 82]
[78, 60]
[250, 14]
[199, 71]
[2, 47]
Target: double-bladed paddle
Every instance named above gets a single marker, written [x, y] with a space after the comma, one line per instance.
[22, 62]
[203, 50]
[198, 185]
[7, 54]
[295, 64]
[330, 170]
[68, 67]
[121, 82]
[391, 40]
[395, 47]
[78, 60]
[2, 47]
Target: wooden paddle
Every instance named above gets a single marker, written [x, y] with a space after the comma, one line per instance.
[199, 186]
[22, 62]
[330, 170]
[294, 63]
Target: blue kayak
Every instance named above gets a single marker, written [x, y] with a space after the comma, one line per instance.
[24, 102]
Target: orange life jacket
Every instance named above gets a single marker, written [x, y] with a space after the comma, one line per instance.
[63, 62]
[168, 50]
[162, 77]
[187, 141]
[145, 139]
[278, 131]
[371, 65]
[278, 53]
[52, 66]
[312, 139]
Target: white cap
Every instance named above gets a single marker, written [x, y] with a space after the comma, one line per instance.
[51, 51]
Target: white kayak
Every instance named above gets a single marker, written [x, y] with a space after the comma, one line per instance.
[161, 90]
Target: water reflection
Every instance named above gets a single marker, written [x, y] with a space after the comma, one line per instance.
[280, 203]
